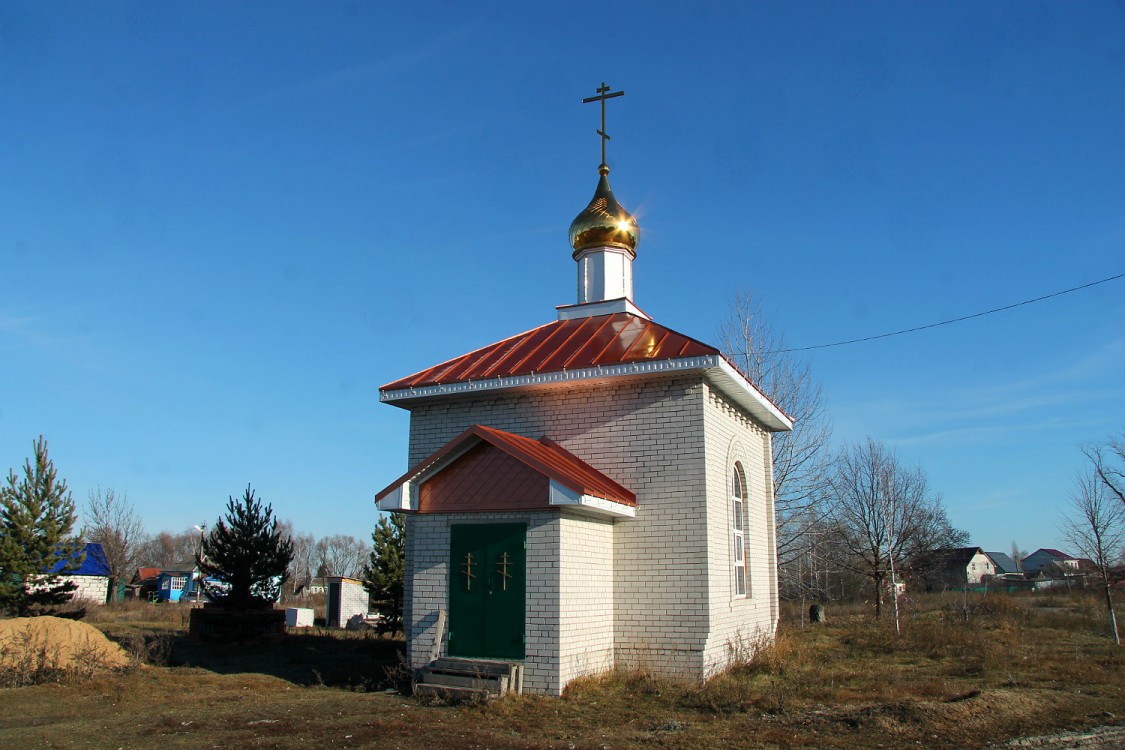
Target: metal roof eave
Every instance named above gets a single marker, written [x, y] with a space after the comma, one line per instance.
[714, 367]
[733, 383]
[588, 504]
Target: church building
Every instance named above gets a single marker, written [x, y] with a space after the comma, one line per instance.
[593, 493]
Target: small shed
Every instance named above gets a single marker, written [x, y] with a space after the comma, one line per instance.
[144, 584]
[91, 577]
[346, 598]
[176, 583]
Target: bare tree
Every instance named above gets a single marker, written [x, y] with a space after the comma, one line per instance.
[1096, 527]
[801, 457]
[112, 522]
[304, 551]
[1017, 556]
[341, 555]
[1109, 464]
[884, 515]
[166, 549]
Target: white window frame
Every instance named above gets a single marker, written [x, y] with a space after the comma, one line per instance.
[740, 577]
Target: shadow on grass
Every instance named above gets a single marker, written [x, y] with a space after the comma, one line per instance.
[355, 661]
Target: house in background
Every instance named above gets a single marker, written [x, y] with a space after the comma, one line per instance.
[91, 577]
[1061, 573]
[596, 492]
[952, 567]
[143, 584]
[177, 583]
[312, 586]
[1062, 562]
[1003, 564]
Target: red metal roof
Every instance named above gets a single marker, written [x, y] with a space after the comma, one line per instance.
[146, 574]
[574, 344]
[543, 455]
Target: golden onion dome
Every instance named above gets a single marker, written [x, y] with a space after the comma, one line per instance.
[604, 222]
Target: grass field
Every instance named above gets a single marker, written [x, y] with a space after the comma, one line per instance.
[965, 673]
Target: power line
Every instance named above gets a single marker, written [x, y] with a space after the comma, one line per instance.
[955, 320]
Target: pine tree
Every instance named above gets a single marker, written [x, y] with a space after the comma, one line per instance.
[246, 551]
[36, 519]
[383, 574]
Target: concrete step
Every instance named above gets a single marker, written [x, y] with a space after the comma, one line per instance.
[498, 684]
[458, 665]
[458, 674]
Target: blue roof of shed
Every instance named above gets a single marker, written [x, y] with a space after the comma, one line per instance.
[94, 564]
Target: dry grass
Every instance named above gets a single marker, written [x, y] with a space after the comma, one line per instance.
[39, 650]
[966, 672]
[134, 616]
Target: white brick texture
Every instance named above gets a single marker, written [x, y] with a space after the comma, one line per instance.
[738, 624]
[91, 589]
[653, 592]
[586, 608]
[353, 600]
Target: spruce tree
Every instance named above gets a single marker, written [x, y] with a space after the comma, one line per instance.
[246, 551]
[36, 519]
[383, 574]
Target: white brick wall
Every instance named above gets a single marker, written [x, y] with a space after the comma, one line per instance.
[353, 601]
[586, 586]
[91, 589]
[665, 575]
[738, 623]
[649, 439]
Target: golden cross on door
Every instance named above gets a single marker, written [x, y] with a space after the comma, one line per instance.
[603, 94]
[467, 569]
[502, 569]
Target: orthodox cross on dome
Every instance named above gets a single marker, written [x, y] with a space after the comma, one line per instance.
[603, 94]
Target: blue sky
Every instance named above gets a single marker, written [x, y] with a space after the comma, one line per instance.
[223, 226]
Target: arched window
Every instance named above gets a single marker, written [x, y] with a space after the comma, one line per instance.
[738, 530]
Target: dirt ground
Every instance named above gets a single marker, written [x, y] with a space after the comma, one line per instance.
[192, 708]
[1098, 738]
[1002, 677]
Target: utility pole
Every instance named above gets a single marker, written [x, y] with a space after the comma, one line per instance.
[199, 560]
[891, 559]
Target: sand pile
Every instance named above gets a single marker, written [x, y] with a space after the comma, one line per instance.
[62, 644]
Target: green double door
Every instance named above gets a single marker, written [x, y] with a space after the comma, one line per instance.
[487, 590]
